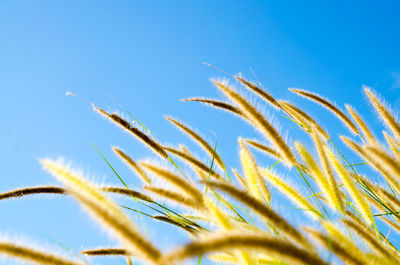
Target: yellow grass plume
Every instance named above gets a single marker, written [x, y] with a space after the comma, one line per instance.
[284, 250]
[218, 215]
[57, 190]
[372, 240]
[392, 224]
[156, 147]
[198, 139]
[254, 181]
[218, 104]
[174, 196]
[356, 195]
[291, 193]
[194, 162]
[393, 144]
[127, 192]
[316, 172]
[328, 105]
[351, 144]
[389, 199]
[259, 121]
[265, 149]
[103, 210]
[303, 117]
[261, 209]
[332, 244]
[378, 205]
[33, 255]
[176, 180]
[334, 232]
[362, 125]
[334, 195]
[133, 165]
[106, 252]
[200, 173]
[384, 163]
[223, 258]
[383, 112]
[240, 179]
[262, 93]
[31, 191]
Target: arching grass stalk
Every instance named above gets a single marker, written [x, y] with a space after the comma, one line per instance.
[153, 202]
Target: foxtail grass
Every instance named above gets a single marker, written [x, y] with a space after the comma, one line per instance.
[240, 178]
[265, 149]
[198, 139]
[261, 209]
[106, 252]
[33, 255]
[348, 256]
[192, 161]
[393, 144]
[176, 180]
[58, 190]
[218, 104]
[242, 221]
[254, 181]
[384, 163]
[383, 112]
[344, 241]
[316, 171]
[103, 210]
[133, 165]
[328, 105]
[350, 186]
[257, 90]
[362, 125]
[156, 147]
[372, 240]
[333, 194]
[295, 196]
[174, 196]
[302, 117]
[229, 241]
[259, 122]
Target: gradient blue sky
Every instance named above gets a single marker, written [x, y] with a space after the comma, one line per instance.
[148, 55]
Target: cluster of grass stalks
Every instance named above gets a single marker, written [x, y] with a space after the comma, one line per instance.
[346, 218]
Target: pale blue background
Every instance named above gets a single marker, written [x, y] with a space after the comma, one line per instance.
[148, 55]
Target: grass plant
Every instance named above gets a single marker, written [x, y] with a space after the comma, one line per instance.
[345, 215]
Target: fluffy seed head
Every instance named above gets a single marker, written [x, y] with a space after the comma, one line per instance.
[102, 209]
[259, 122]
[268, 150]
[156, 147]
[244, 240]
[198, 139]
[192, 161]
[348, 182]
[302, 117]
[384, 112]
[176, 180]
[291, 193]
[362, 125]
[262, 93]
[132, 164]
[325, 103]
[218, 104]
[261, 209]
[32, 255]
[333, 195]
[254, 180]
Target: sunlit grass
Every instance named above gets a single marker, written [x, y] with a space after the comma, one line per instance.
[344, 213]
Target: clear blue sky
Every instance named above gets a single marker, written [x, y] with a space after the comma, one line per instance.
[148, 55]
